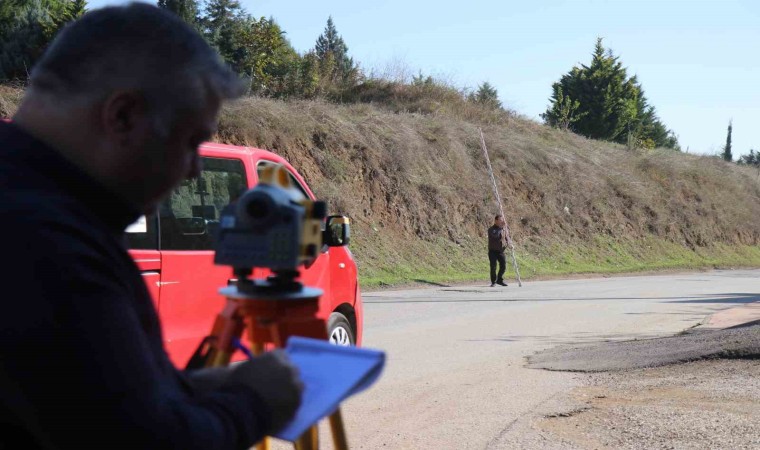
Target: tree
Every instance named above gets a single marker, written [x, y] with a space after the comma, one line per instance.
[750, 159]
[26, 29]
[332, 52]
[264, 55]
[221, 13]
[564, 110]
[188, 10]
[422, 80]
[486, 95]
[221, 25]
[23, 40]
[308, 75]
[62, 12]
[601, 101]
[284, 64]
[727, 149]
[254, 48]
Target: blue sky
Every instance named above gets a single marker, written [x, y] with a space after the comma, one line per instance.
[698, 60]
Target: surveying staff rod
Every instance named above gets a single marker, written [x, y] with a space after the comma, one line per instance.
[501, 209]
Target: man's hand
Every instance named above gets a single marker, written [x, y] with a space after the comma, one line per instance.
[277, 382]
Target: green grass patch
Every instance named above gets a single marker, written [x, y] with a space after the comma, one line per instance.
[603, 255]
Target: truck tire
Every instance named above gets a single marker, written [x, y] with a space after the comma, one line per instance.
[339, 330]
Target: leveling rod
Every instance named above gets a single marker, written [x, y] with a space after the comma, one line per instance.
[501, 208]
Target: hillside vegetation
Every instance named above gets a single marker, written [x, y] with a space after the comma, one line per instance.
[409, 171]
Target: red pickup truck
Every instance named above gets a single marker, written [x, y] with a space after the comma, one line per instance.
[174, 251]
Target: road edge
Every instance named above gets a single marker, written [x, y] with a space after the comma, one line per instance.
[735, 317]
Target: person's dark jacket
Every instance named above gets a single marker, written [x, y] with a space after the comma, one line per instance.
[82, 363]
[496, 239]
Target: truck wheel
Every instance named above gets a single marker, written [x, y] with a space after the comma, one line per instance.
[339, 330]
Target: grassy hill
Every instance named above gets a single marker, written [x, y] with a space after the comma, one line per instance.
[407, 167]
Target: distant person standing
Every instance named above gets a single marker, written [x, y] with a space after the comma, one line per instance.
[497, 243]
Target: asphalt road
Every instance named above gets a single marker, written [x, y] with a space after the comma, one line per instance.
[456, 374]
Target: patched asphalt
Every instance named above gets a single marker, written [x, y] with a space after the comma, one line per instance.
[740, 343]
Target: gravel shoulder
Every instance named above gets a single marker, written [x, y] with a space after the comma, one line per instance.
[699, 405]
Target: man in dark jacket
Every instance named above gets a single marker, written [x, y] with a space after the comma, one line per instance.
[497, 243]
[110, 124]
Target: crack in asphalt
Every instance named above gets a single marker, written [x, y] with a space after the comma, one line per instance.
[495, 440]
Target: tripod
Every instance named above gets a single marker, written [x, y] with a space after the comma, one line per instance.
[271, 311]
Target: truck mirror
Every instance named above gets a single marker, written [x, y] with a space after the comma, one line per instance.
[337, 231]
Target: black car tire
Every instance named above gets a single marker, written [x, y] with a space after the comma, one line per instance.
[339, 330]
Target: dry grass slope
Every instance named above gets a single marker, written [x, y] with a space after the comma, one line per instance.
[415, 185]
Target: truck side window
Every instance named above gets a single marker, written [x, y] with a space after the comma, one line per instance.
[189, 218]
[143, 234]
[263, 163]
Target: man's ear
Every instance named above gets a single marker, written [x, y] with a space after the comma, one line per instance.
[122, 112]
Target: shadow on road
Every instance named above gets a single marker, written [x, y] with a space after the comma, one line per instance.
[698, 299]
[432, 283]
[581, 337]
[479, 300]
[723, 298]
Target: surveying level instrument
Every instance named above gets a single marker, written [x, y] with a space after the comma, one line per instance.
[271, 226]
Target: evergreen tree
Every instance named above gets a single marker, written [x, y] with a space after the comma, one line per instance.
[422, 80]
[727, 149]
[564, 110]
[188, 10]
[221, 25]
[601, 101]
[486, 95]
[62, 12]
[26, 29]
[332, 53]
[222, 13]
[23, 41]
[750, 159]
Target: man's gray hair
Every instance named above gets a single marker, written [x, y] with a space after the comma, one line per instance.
[134, 47]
